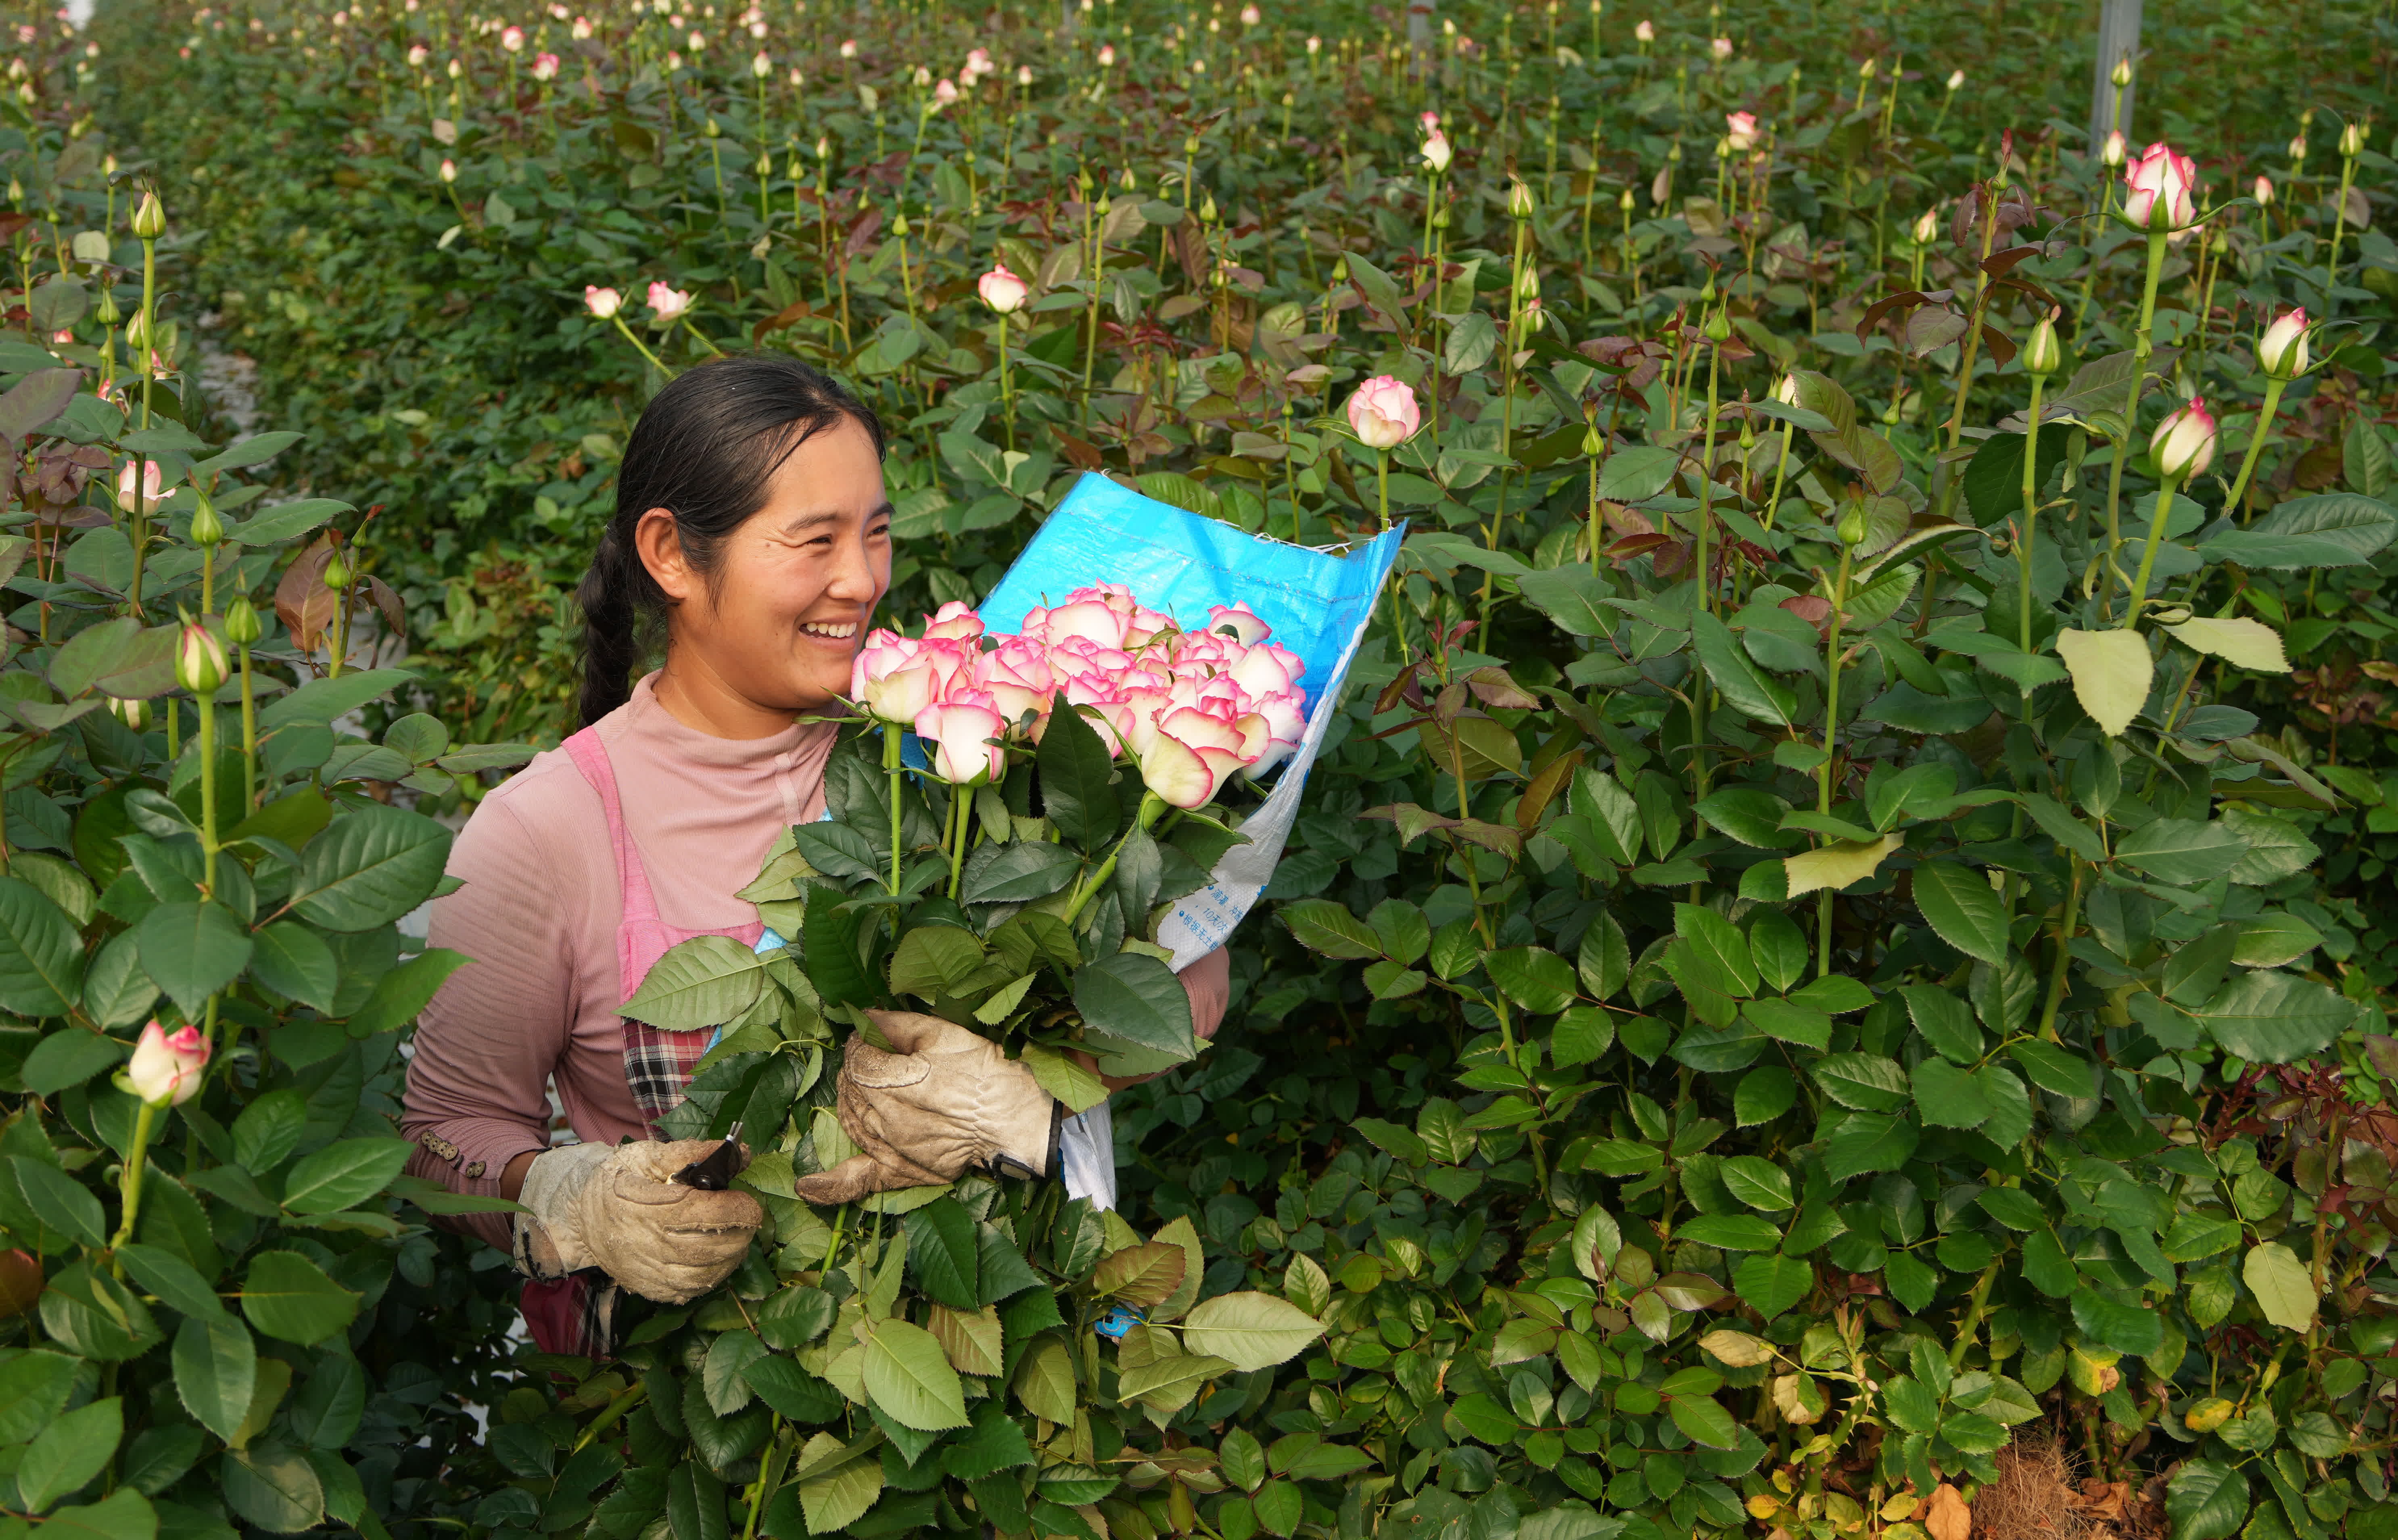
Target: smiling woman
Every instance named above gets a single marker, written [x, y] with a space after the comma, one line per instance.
[751, 525]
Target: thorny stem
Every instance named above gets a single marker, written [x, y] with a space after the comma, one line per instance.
[2156, 520]
[1831, 728]
[2265, 416]
[891, 767]
[2063, 950]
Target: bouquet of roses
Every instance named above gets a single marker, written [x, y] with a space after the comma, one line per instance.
[1002, 871]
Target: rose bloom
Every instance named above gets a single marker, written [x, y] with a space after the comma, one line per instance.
[512, 39]
[153, 478]
[1741, 129]
[544, 66]
[1721, 48]
[166, 1067]
[1002, 290]
[602, 303]
[1383, 413]
[668, 303]
[1646, 31]
[1243, 621]
[2281, 352]
[958, 734]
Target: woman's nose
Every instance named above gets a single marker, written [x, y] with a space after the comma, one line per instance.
[853, 577]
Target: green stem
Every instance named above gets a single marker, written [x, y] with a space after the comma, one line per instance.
[1707, 480]
[2338, 228]
[1006, 395]
[962, 814]
[1831, 728]
[1781, 467]
[248, 738]
[149, 377]
[2140, 350]
[891, 765]
[2031, 511]
[207, 707]
[1151, 805]
[638, 343]
[771, 1475]
[143, 1122]
[1383, 483]
[2064, 945]
[2265, 416]
[2157, 521]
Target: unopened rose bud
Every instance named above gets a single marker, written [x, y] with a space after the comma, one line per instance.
[1519, 201]
[2281, 352]
[2122, 73]
[1853, 527]
[449, 170]
[1927, 227]
[2352, 141]
[2040, 355]
[1717, 328]
[1956, 78]
[337, 574]
[208, 530]
[2112, 151]
[1785, 390]
[149, 216]
[133, 713]
[200, 659]
[1527, 284]
[241, 622]
[166, 1067]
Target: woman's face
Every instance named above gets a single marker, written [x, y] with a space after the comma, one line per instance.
[774, 627]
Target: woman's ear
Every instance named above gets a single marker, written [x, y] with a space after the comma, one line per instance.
[659, 544]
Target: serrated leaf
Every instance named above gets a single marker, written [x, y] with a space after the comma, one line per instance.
[2112, 674]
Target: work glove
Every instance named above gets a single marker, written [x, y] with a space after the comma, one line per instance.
[944, 1100]
[616, 1209]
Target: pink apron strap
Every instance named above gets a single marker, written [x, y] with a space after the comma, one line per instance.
[591, 756]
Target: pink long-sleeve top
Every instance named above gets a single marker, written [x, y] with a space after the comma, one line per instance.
[538, 914]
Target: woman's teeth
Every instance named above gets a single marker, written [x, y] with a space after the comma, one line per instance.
[831, 631]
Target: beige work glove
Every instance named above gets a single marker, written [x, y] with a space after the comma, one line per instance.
[616, 1210]
[947, 1100]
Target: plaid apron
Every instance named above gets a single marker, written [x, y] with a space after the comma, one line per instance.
[569, 1315]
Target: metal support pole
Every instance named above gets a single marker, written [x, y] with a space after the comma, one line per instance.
[2119, 38]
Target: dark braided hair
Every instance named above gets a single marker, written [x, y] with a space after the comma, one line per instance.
[703, 451]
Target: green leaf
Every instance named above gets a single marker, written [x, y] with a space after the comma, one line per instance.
[58, 1201]
[193, 949]
[1400, 1143]
[284, 520]
[1836, 866]
[933, 960]
[1744, 687]
[2332, 530]
[370, 866]
[2055, 1071]
[910, 1380]
[294, 961]
[1323, 925]
[1869, 1142]
[273, 1487]
[33, 1388]
[38, 948]
[1862, 1081]
[995, 1442]
[1787, 1022]
[702, 982]
[176, 1282]
[1718, 949]
[2057, 822]
[2275, 1018]
[323, 701]
[1610, 811]
[1569, 596]
[1751, 815]
[1912, 1406]
[1075, 769]
[1018, 872]
[2182, 851]
[70, 1451]
[943, 1254]
[1947, 1097]
[834, 1493]
[216, 1373]
[2127, 1327]
[1730, 1231]
[721, 1375]
[123, 1514]
[1945, 1021]
[798, 1394]
[1773, 1283]
[2285, 1290]
[1534, 978]
[1755, 1181]
[2205, 1500]
[1249, 1330]
[70, 1056]
[288, 1296]
[1704, 1420]
[405, 991]
[1963, 909]
[829, 939]
[343, 1175]
[1137, 999]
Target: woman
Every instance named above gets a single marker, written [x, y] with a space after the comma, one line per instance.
[750, 522]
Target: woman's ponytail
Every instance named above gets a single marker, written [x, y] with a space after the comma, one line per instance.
[705, 450]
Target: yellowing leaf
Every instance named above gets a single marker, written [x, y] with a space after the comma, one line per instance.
[2243, 643]
[1737, 1348]
[2285, 1290]
[2112, 674]
[1065, 1078]
[969, 1338]
[1836, 866]
[1045, 1381]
